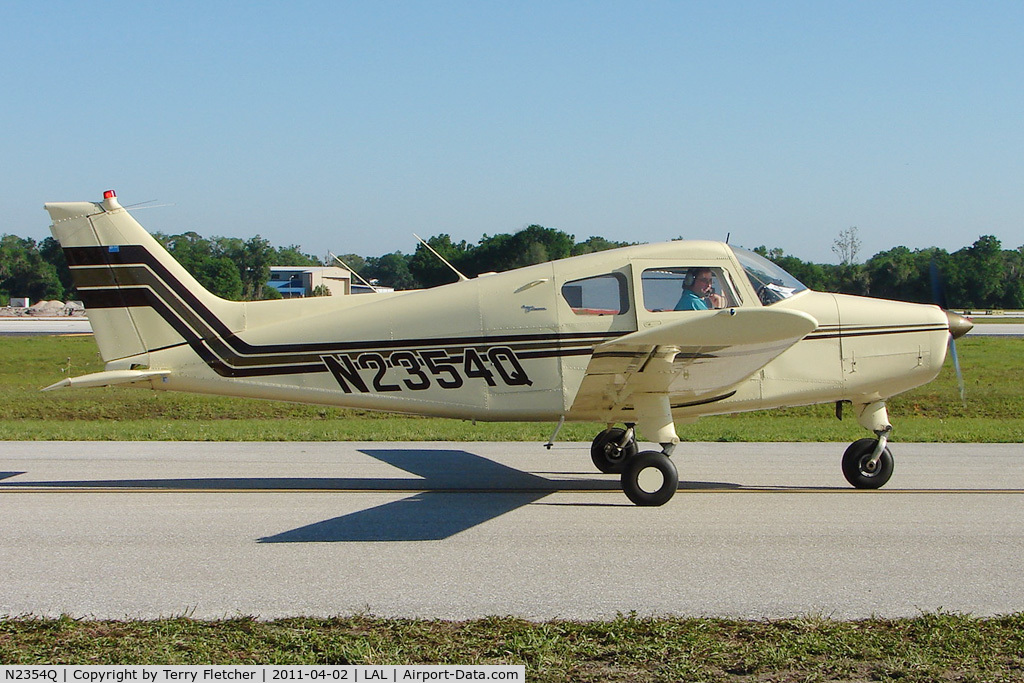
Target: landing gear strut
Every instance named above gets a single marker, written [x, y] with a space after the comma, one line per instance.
[648, 478]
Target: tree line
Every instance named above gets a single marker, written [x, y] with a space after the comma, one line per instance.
[230, 267]
[983, 275]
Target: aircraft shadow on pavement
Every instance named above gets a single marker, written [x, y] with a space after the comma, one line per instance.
[489, 490]
[463, 490]
[452, 491]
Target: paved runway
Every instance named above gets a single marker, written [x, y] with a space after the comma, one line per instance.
[463, 530]
[998, 330]
[37, 326]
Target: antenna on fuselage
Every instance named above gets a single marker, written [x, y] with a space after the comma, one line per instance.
[443, 260]
[346, 267]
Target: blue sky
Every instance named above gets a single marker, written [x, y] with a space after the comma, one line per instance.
[347, 126]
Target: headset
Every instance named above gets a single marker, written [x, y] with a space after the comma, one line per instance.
[691, 275]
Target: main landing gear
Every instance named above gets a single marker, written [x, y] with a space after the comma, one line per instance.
[612, 449]
[649, 478]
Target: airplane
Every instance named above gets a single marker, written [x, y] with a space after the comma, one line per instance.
[593, 338]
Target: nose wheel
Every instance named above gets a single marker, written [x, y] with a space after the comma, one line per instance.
[865, 469]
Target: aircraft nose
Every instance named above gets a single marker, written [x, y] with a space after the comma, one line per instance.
[958, 324]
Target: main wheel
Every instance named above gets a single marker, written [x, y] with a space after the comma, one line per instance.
[856, 466]
[607, 455]
[650, 478]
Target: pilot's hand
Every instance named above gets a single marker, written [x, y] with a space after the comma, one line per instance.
[716, 300]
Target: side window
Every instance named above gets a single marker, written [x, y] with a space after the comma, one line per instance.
[697, 288]
[600, 295]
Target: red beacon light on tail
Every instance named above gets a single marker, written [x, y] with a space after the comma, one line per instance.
[110, 200]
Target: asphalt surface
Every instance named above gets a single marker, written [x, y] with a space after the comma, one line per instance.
[998, 330]
[37, 326]
[457, 530]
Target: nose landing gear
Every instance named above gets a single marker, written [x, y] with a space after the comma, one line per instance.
[863, 468]
[867, 463]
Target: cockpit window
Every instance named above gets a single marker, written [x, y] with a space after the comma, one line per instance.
[686, 288]
[771, 283]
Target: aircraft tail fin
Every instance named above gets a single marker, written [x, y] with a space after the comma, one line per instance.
[138, 298]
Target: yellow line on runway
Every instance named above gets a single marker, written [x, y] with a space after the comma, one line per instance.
[118, 489]
[158, 489]
[681, 492]
[804, 491]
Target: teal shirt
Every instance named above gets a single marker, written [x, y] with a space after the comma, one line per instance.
[691, 302]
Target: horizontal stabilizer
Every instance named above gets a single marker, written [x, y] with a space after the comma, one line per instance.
[108, 378]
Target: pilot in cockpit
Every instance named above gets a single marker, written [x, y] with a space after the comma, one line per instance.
[698, 292]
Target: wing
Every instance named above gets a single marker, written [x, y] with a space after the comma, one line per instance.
[701, 355]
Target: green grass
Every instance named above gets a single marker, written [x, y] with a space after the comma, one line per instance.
[992, 366]
[931, 647]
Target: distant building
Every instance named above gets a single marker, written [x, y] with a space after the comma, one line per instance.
[299, 281]
[372, 288]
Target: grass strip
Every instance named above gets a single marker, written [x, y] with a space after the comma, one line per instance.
[930, 647]
[992, 367]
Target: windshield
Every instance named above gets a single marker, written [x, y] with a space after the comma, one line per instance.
[771, 283]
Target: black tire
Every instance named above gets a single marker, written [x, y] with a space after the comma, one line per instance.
[855, 461]
[607, 455]
[639, 490]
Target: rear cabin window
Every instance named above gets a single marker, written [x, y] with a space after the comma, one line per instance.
[686, 288]
[600, 295]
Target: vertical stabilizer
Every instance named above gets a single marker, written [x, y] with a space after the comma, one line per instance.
[137, 297]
